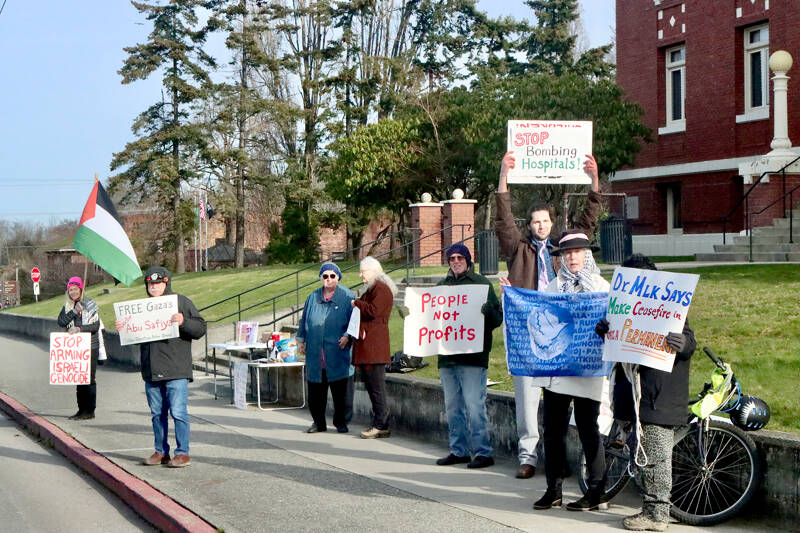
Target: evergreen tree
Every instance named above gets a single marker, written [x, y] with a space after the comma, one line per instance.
[160, 160]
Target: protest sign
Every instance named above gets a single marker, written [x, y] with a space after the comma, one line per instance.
[246, 332]
[70, 358]
[444, 320]
[148, 319]
[643, 306]
[552, 334]
[240, 370]
[549, 151]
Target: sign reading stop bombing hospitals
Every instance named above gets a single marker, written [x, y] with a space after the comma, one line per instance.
[549, 152]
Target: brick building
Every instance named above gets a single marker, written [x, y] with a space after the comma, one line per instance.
[699, 70]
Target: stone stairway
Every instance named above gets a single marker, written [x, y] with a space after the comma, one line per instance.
[770, 244]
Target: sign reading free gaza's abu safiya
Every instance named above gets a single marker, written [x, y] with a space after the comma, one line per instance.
[643, 307]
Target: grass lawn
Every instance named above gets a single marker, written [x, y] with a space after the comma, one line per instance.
[747, 314]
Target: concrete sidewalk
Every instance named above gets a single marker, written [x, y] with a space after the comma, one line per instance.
[259, 471]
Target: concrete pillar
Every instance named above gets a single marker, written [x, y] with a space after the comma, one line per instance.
[456, 213]
[426, 218]
[780, 62]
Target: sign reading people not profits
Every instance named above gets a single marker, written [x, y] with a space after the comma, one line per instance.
[444, 320]
[643, 307]
[148, 319]
[549, 152]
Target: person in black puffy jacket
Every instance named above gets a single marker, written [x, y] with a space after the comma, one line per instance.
[167, 371]
[662, 407]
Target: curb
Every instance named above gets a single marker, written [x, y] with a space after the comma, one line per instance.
[157, 508]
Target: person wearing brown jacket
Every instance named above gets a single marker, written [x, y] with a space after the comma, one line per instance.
[371, 351]
[530, 266]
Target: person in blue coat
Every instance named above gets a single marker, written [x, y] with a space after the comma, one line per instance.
[322, 336]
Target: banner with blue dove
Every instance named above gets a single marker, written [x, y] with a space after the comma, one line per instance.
[552, 334]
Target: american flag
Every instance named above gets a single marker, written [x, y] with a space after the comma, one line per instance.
[202, 210]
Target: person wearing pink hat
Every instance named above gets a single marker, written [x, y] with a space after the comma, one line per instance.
[80, 314]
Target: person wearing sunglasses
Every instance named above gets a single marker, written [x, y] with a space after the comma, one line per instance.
[463, 376]
[322, 336]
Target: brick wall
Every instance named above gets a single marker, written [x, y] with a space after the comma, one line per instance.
[713, 35]
[427, 218]
[454, 213]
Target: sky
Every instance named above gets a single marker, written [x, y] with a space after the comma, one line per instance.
[64, 111]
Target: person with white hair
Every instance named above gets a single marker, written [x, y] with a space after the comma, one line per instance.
[371, 351]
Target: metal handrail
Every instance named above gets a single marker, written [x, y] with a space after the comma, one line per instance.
[406, 246]
[745, 199]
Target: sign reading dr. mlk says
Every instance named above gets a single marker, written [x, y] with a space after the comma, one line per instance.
[549, 151]
[70, 358]
[444, 320]
[148, 319]
[643, 307]
[552, 334]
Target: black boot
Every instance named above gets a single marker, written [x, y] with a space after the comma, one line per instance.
[591, 501]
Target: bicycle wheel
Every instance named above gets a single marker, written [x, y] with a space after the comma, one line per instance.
[712, 481]
[618, 456]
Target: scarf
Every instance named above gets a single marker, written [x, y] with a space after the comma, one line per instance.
[90, 313]
[583, 281]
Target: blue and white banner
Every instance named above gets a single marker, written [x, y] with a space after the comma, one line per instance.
[552, 334]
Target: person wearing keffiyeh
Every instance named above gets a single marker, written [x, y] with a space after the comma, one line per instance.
[578, 273]
[81, 314]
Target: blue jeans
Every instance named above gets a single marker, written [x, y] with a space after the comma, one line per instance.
[465, 402]
[169, 398]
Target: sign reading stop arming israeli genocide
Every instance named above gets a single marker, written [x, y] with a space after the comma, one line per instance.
[444, 320]
[549, 151]
[643, 307]
[552, 334]
[70, 358]
[148, 319]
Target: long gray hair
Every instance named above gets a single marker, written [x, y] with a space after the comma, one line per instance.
[370, 263]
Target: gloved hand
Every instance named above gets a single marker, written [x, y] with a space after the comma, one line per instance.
[74, 329]
[676, 341]
[486, 308]
[78, 307]
[602, 328]
[403, 311]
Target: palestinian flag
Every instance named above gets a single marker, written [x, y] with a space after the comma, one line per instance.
[101, 238]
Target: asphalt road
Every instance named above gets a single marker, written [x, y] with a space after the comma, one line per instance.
[41, 491]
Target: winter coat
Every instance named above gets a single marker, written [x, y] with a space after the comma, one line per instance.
[372, 345]
[591, 388]
[665, 395]
[88, 321]
[321, 326]
[168, 359]
[517, 247]
[493, 317]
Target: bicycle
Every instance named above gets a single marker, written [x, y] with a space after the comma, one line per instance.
[715, 464]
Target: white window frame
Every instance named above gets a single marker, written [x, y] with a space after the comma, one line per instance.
[751, 112]
[674, 125]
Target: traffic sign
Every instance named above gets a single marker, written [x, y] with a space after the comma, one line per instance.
[35, 275]
[36, 288]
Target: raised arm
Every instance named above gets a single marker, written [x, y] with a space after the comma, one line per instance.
[507, 231]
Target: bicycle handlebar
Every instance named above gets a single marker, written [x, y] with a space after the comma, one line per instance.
[711, 355]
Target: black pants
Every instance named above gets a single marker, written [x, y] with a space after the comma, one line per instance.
[318, 401]
[348, 399]
[374, 378]
[87, 394]
[556, 424]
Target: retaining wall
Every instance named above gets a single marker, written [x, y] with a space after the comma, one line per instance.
[417, 408]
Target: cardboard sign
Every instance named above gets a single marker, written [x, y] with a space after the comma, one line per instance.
[148, 319]
[549, 152]
[70, 358]
[552, 334]
[444, 320]
[643, 307]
